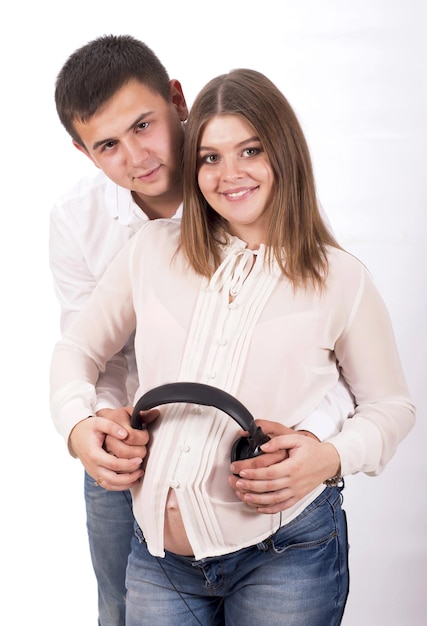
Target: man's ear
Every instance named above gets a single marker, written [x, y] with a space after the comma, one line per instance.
[178, 99]
[83, 149]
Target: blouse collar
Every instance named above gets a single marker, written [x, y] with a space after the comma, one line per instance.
[238, 262]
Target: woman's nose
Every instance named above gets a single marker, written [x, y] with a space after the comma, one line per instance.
[231, 169]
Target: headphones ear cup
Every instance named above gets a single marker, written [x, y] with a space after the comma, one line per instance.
[240, 450]
[248, 448]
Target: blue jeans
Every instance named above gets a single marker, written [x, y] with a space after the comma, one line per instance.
[110, 525]
[297, 577]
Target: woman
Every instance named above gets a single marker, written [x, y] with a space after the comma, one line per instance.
[253, 295]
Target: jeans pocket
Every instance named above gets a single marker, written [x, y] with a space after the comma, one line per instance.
[138, 533]
[314, 527]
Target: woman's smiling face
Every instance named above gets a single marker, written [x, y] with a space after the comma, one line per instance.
[235, 176]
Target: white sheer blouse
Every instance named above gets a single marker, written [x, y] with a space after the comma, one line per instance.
[277, 350]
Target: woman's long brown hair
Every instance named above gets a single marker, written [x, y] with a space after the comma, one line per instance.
[297, 236]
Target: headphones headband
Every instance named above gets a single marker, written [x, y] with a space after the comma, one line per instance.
[198, 393]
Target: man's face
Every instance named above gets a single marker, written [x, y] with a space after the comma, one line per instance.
[136, 137]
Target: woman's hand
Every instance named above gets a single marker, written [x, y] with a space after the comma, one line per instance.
[134, 443]
[293, 465]
[112, 451]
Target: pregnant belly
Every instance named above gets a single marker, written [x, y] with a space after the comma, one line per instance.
[175, 537]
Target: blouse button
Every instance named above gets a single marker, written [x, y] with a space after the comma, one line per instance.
[221, 342]
[174, 484]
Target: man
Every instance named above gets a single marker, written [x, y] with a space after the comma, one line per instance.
[119, 106]
[116, 101]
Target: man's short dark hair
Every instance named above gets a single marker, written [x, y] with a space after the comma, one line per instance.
[97, 70]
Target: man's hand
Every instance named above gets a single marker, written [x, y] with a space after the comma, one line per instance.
[293, 465]
[113, 472]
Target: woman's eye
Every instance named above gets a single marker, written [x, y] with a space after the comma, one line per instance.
[209, 158]
[251, 151]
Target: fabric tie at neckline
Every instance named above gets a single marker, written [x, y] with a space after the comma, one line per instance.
[233, 271]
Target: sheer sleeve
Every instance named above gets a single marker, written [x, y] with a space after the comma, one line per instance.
[369, 360]
[98, 333]
[73, 283]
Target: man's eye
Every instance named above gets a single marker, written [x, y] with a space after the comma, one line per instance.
[109, 145]
[142, 125]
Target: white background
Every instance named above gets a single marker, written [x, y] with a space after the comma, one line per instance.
[355, 73]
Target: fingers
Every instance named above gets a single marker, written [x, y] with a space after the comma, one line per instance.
[103, 426]
[285, 442]
[267, 485]
[265, 482]
[147, 417]
[133, 438]
[258, 462]
[124, 450]
[114, 470]
[116, 482]
[274, 487]
[89, 435]
[111, 472]
[136, 440]
[265, 496]
[120, 415]
[111, 451]
[274, 428]
[284, 501]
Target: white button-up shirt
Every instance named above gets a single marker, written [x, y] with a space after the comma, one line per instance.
[88, 227]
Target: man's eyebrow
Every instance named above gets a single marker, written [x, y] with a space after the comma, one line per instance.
[138, 120]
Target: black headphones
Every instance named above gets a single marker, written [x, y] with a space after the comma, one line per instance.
[197, 393]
